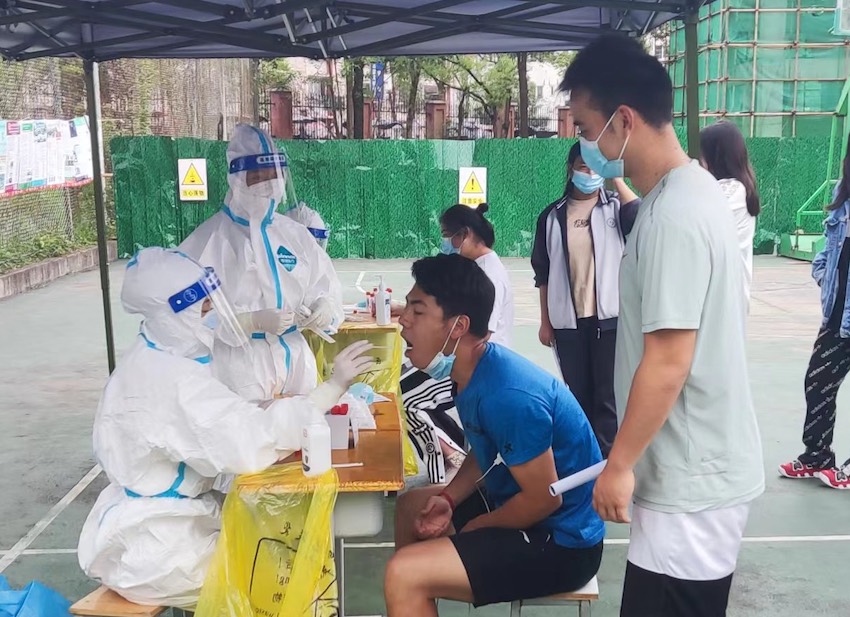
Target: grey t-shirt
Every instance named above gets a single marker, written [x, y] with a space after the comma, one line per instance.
[681, 270]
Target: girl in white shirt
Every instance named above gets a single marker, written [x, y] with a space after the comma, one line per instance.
[724, 154]
[466, 231]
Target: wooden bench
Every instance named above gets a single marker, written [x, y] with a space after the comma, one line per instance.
[104, 602]
[582, 598]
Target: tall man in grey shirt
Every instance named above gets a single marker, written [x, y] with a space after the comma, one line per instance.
[688, 453]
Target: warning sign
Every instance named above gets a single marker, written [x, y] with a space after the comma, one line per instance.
[472, 186]
[193, 179]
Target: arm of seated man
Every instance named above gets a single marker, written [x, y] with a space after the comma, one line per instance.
[532, 504]
[435, 518]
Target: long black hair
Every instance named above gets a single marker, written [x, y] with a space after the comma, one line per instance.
[843, 193]
[725, 155]
[460, 217]
[575, 152]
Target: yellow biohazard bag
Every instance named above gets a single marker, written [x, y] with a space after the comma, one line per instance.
[385, 377]
[274, 556]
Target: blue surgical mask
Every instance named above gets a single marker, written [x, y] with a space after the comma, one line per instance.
[587, 183]
[597, 162]
[447, 248]
[210, 320]
[441, 366]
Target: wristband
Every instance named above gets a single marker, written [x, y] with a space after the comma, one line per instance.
[451, 501]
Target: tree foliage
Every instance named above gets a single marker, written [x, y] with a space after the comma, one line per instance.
[276, 74]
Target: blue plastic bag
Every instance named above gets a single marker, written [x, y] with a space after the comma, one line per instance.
[34, 600]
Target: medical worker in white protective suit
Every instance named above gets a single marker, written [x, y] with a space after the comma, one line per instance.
[279, 279]
[166, 428]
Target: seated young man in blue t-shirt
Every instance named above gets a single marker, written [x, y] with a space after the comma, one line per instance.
[505, 538]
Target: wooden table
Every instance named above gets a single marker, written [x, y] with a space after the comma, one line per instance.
[379, 450]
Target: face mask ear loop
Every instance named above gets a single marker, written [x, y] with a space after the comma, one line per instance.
[449, 337]
[605, 128]
[457, 344]
[625, 143]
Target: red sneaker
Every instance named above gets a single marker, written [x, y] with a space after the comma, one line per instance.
[805, 467]
[837, 477]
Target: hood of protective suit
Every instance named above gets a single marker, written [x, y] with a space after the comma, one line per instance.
[308, 217]
[154, 276]
[256, 202]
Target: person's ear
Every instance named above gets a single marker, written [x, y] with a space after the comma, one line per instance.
[627, 118]
[461, 327]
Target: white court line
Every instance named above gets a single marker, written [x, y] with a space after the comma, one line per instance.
[45, 551]
[625, 541]
[610, 542]
[13, 553]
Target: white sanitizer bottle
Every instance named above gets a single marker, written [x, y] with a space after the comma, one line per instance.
[382, 305]
[316, 444]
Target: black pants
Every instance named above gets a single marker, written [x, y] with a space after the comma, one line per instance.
[828, 367]
[586, 356]
[647, 594]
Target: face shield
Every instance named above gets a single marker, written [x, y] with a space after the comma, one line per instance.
[183, 304]
[218, 317]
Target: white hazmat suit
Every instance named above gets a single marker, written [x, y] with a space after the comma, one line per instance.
[278, 278]
[166, 428]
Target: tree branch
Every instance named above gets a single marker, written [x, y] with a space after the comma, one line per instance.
[471, 74]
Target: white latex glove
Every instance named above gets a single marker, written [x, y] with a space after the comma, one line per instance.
[272, 321]
[320, 316]
[348, 364]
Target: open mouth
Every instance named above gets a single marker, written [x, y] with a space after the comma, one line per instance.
[408, 345]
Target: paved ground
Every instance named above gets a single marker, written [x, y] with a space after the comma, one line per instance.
[52, 362]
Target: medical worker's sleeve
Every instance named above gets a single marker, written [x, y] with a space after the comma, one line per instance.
[215, 431]
[519, 424]
[324, 281]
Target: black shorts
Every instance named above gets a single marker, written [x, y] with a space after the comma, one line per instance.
[504, 565]
[648, 594]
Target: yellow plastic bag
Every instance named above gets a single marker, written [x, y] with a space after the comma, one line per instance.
[385, 377]
[274, 557]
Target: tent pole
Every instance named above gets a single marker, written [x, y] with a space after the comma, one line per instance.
[93, 103]
[692, 82]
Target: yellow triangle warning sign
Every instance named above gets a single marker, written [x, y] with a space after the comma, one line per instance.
[192, 177]
[472, 185]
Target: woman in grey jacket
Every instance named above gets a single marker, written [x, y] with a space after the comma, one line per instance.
[576, 259]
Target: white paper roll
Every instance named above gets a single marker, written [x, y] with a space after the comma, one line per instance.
[577, 479]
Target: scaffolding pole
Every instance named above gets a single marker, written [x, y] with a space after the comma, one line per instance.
[92, 80]
[692, 82]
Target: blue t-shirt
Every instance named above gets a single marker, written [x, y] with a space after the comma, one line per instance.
[515, 409]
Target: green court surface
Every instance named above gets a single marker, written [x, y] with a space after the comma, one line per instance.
[53, 360]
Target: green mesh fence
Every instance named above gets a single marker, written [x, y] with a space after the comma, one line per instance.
[382, 198]
[774, 67]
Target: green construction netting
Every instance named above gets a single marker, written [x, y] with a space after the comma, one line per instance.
[771, 66]
[382, 198]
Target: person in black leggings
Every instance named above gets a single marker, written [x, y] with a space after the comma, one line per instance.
[830, 361]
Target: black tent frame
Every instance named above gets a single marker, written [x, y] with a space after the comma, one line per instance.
[308, 28]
